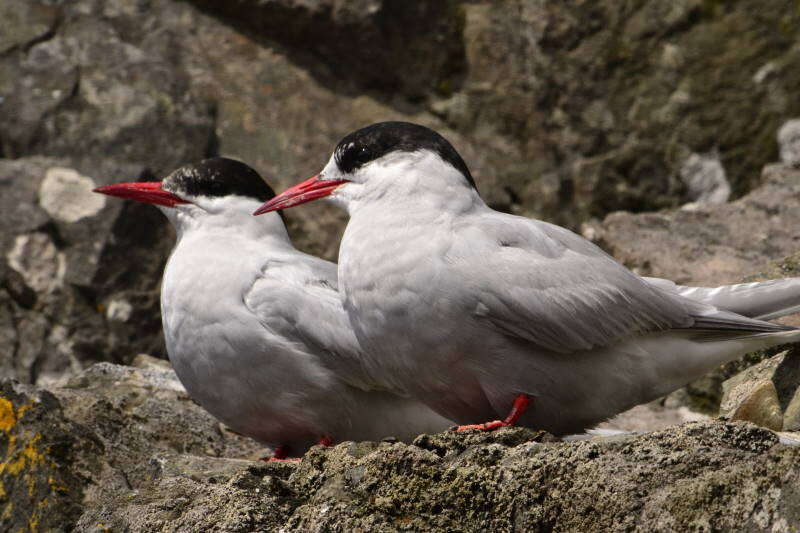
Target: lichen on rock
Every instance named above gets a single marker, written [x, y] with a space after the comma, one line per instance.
[125, 448]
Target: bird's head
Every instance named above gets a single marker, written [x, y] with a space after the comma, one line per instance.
[214, 191]
[384, 160]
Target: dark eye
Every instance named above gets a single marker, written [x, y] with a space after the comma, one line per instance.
[353, 156]
[362, 154]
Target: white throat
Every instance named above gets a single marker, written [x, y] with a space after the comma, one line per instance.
[229, 215]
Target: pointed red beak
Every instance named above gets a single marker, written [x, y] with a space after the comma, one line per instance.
[311, 189]
[146, 191]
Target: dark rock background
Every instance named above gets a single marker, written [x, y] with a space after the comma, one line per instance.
[645, 125]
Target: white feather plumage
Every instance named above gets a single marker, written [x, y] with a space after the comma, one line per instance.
[256, 333]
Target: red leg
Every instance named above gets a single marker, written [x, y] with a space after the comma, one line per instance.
[280, 453]
[521, 403]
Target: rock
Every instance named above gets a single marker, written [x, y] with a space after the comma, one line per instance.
[767, 394]
[789, 142]
[563, 111]
[43, 474]
[103, 81]
[66, 195]
[659, 414]
[24, 23]
[587, 108]
[713, 244]
[100, 435]
[760, 406]
[411, 48]
[787, 267]
[149, 362]
[120, 448]
[704, 177]
[78, 274]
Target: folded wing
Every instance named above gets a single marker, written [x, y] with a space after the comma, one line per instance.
[297, 300]
[548, 286]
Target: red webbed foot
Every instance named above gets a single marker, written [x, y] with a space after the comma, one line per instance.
[521, 403]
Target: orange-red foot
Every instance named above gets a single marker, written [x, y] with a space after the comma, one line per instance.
[280, 455]
[521, 403]
[280, 452]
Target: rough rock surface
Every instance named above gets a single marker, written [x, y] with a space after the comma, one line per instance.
[70, 448]
[710, 245]
[766, 393]
[563, 110]
[123, 449]
[78, 273]
[789, 142]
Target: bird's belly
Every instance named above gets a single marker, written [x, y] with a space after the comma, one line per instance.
[414, 345]
[255, 388]
[227, 385]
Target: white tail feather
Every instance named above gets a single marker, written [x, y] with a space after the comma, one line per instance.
[763, 300]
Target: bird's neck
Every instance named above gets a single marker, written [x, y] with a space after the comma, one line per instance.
[239, 225]
[421, 202]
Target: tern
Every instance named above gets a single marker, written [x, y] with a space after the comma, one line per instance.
[486, 316]
[254, 328]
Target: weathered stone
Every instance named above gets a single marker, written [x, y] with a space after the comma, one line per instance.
[789, 142]
[79, 275]
[107, 434]
[767, 394]
[709, 245]
[659, 414]
[46, 460]
[67, 196]
[35, 257]
[705, 180]
[24, 22]
[563, 111]
[760, 406]
[121, 448]
[100, 84]
[791, 414]
[587, 108]
[410, 48]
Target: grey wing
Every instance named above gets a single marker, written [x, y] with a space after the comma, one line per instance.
[297, 300]
[549, 286]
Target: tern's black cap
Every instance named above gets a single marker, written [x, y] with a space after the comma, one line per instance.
[377, 140]
[218, 176]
